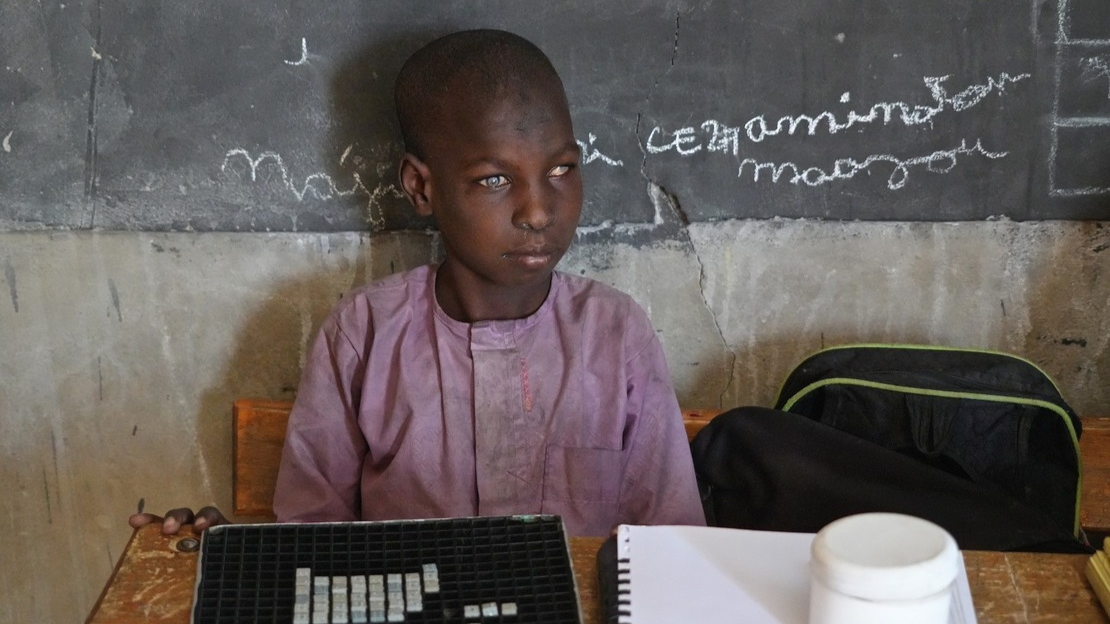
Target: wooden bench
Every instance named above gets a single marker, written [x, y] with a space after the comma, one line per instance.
[259, 435]
[259, 430]
[1094, 449]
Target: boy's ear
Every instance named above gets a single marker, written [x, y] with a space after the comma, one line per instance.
[415, 179]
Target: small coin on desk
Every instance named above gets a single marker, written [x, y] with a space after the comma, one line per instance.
[188, 544]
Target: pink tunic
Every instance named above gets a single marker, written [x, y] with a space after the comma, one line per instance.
[404, 412]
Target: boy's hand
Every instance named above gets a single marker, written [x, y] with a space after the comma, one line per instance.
[204, 518]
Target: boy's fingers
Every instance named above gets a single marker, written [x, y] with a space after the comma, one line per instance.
[175, 518]
[142, 519]
[208, 517]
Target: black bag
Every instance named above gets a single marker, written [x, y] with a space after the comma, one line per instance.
[979, 442]
[992, 418]
[764, 469]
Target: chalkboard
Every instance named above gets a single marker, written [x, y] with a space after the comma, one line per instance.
[277, 116]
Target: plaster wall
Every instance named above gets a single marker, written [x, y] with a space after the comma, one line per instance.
[120, 353]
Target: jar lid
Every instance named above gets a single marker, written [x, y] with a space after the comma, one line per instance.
[885, 556]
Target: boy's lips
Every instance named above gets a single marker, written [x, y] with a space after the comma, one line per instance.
[533, 256]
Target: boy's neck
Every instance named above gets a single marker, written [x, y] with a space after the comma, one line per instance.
[474, 301]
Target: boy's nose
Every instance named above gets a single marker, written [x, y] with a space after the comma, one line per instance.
[534, 211]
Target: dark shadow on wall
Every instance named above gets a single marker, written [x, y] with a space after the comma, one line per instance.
[265, 360]
[365, 132]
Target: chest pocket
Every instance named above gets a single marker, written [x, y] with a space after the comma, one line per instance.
[582, 475]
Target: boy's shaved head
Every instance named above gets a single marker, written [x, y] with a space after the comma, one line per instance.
[468, 68]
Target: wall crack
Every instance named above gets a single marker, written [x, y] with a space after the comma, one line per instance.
[90, 139]
[674, 52]
[667, 205]
[666, 202]
[651, 96]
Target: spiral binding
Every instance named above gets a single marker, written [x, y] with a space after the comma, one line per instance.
[624, 575]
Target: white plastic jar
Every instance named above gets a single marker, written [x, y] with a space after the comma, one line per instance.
[882, 568]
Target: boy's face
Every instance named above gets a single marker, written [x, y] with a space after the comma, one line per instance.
[501, 179]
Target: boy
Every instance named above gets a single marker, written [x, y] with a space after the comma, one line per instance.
[489, 384]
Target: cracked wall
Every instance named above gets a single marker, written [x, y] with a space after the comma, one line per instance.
[123, 351]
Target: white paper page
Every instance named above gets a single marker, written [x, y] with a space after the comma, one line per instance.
[716, 576]
[723, 576]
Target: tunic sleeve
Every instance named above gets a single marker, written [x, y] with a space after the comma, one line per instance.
[321, 463]
[659, 484]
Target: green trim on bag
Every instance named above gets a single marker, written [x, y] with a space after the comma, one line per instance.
[848, 381]
[921, 347]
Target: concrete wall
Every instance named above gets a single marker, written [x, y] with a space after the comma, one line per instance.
[120, 353]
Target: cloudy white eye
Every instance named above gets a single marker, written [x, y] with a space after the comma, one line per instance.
[559, 171]
[494, 181]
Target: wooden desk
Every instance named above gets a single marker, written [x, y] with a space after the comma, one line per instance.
[153, 583]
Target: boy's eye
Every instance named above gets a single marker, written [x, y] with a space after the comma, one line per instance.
[559, 171]
[494, 181]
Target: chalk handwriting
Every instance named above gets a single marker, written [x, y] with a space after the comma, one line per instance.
[714, 136]
[8, 142]
[322, 186]
[940, 161]
[304, 54]
[319, 185]
[1094, 69]
[591, 153]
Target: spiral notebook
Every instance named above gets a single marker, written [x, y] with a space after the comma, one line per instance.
[667, 574]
